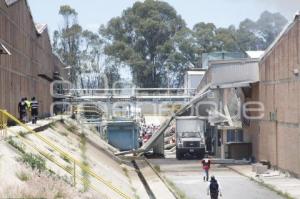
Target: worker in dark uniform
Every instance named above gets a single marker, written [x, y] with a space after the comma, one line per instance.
[34, 110]
[28, 106]
[22, 110]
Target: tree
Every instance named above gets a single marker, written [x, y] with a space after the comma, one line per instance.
[142, 39]
[92, 49]
[226, 41]
[246, 36]
[260, 34]
[269, 25]
[205, 34]
[250, 35]
[82, 50]
[66, 41]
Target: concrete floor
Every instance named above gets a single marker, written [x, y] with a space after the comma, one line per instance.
[187, 175]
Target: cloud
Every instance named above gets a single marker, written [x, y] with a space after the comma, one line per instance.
[287, 7]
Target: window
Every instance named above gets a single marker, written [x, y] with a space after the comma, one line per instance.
[240, 136]
[230, 136]
[235, 136]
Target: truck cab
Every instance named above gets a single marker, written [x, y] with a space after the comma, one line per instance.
[190, 138]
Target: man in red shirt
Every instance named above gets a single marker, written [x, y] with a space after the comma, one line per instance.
[206, 167]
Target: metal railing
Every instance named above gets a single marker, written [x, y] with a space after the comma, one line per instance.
[132, 92]
[3, 126]
[4, 115]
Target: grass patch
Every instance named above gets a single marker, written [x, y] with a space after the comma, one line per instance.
[23, 176]
[157, 168]
[16, 145]
[22, 134]
[180, 194]
[59, 194]
[51, 172]
[84, 174]
[34, 161]
[65, 158]
[63, 133]
[72, 128]
[52, 126]
[272, 188]
[125, 170]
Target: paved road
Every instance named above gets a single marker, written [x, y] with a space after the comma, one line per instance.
[188, 177]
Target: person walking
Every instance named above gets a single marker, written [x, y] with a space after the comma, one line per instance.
[28, 105]
[206, 167]
[34, 110]
[22, 110]
[214, 189]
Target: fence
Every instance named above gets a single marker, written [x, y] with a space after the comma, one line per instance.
[4, 116]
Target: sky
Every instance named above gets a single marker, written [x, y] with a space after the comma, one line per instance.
[93, 13]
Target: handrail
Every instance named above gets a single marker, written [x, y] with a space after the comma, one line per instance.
[65, 168]
[3, 125]
[73, 159]
[136, 89]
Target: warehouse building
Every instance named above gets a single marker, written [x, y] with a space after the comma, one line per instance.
[29, 70]
[278, 138]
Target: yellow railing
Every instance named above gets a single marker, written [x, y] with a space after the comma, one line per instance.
[3, 126]
[5, 114]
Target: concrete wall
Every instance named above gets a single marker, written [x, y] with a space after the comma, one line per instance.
[279, 137]
[251, 127]
[31, 56]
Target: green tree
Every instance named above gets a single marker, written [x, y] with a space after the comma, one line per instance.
[260, 34]
[142, 39]
[92, 49]
[66, 41]
[225, 40]
[269, 25]
[205, 35]
[83, 51]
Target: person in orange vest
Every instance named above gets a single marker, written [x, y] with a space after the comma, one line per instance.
[206, 166]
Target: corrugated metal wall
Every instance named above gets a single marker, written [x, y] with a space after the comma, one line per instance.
[31, 55]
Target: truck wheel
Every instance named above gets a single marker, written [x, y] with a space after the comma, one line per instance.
[178, 155]
[201, 154]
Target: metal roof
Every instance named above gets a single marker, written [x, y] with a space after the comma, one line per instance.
[196, 72]
[40, 28]
[10, 2]
[255, 54]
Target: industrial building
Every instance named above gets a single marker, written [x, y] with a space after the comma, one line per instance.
[273, 133]
[27, 67]
[223, 90]
[278, 138]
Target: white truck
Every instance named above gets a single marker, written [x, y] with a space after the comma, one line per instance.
[190, 137]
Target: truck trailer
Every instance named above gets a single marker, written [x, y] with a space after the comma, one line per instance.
[190, 139]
